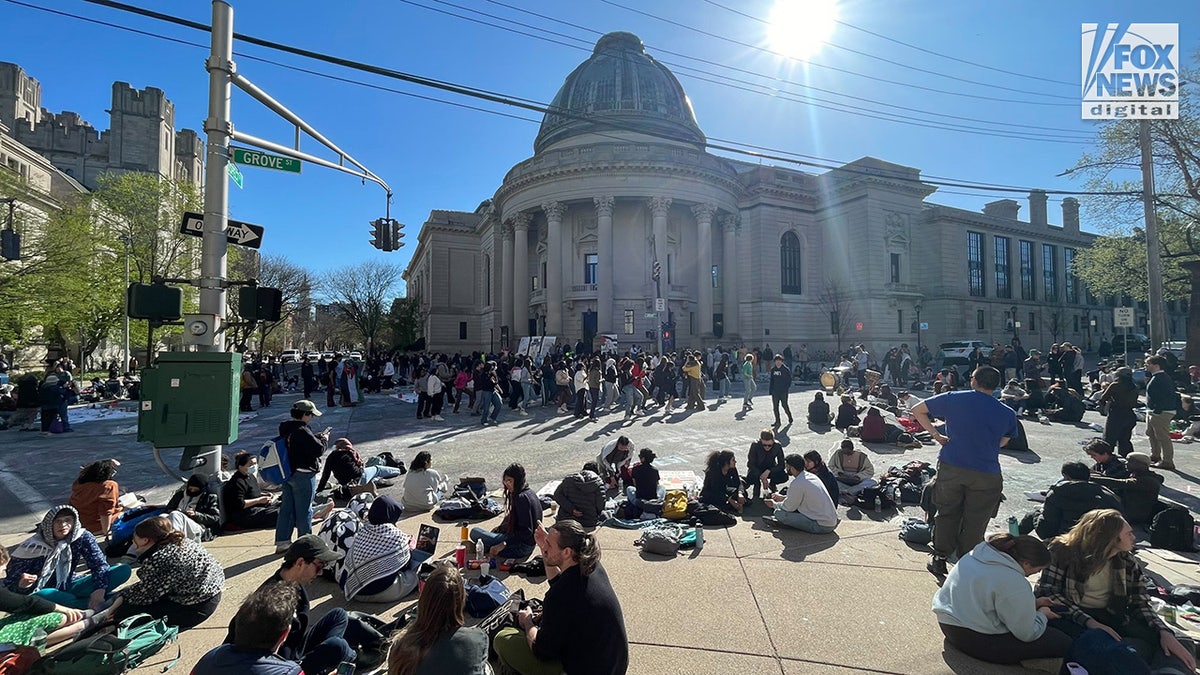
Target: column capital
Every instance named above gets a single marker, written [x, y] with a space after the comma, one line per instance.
[659, 205]
[732, 222]
[554, 210]
[519, 220]
[604, 205]
[704, 211]
[506, 230]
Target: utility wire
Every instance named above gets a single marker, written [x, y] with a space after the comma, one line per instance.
[499, 98]
[1024, 76]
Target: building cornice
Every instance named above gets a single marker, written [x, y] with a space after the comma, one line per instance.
[1016, 228]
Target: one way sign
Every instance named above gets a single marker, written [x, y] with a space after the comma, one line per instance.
[242, 234]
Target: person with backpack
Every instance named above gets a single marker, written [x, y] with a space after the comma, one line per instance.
[440, 642]
[1094, 576]
[807, 506]
[178, 580]
[423, 486]
[304, 449]
[261, 624]
[987, 610]
[513, 537]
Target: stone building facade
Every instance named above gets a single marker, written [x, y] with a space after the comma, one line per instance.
[621, 183]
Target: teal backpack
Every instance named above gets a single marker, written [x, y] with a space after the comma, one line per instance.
[136, 639]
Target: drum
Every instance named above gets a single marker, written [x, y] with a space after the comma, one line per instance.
[828, 380]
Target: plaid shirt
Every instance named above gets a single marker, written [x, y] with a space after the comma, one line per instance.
[1127, 582]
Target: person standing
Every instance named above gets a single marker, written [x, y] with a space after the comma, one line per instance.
[307, 377]
[807, 505]
[749, 386]
[802, 357]
[1161, 403]
[969, 484]
[304, 450]
[781, 383]
[1121, 395]
[862, 360]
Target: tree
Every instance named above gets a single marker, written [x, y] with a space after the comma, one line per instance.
[836, 302]
[271, 271]
[359, 294]
[407, 321]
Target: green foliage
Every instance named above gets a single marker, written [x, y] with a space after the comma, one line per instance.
[406, 321]
[359, 295]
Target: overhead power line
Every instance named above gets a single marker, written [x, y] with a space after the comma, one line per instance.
[545, 109]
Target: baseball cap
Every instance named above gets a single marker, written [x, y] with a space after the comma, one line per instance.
[307, 406]
[51, 379]
[309, 547]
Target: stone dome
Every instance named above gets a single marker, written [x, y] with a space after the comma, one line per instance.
[622, 88]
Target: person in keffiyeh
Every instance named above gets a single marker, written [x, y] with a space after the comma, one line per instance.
[45, 562]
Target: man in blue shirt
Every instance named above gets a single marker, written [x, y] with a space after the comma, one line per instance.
[968, 488]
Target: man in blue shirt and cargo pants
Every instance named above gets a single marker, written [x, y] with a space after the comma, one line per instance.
[969, 486]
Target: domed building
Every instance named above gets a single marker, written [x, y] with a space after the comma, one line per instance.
[621, 204]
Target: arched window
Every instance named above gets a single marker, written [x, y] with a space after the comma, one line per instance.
[789, 264]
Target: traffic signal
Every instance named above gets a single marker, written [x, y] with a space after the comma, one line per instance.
[156, 302]
[259, 303]
[397, 235]
[10, 244]
[377, 234]
[666, 329]
[657, 270]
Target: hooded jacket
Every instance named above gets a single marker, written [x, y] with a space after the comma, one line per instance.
[304, 448]
[583, 492]
[205, 508]
[1066, 502]
[987, 592]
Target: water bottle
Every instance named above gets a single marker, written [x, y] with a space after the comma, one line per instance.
[896, 495]
[1013, 528]
[479, 549]
[485, 567]
[699, 538]
[879, 502]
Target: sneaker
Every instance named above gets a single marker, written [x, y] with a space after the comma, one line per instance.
[323, 511]
[937, 566]
[439, 418]
[1164, 466]
[522, 413]
[384, 483]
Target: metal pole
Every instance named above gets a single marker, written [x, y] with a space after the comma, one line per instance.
[1153, 262]
[125, 344]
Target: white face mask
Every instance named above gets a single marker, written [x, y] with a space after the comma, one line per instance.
[253, 470]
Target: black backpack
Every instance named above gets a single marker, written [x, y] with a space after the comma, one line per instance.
[1173, 529]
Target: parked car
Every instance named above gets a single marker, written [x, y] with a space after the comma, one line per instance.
[1176, 347]
[312, 356]
[327, 355]
[289, 355]
[1137, 342]
[356, 355]
[958, 352]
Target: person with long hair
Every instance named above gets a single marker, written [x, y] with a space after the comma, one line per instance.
[96, 496]
[814, 464]
[513, 537]
[1121, 395]
[178, 579]
[423, 486]
[723, 487]
[987, 610]
[1094, 575]
[438, 642]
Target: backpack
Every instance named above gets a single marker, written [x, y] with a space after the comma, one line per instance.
[483, 598]
[389, 459]
[711, 516]
[661, 540]
[273, 463]
[868, 497]
[1173, 529]
[916, 531]
[120, 533]
[136, 639]
[675, 505]
[465, 504]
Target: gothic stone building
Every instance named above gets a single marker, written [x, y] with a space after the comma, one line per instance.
[748, 254]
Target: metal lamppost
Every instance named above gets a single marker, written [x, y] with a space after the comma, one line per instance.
[1087, 326]
[917, 307]
[128, 242]
[1015, 324]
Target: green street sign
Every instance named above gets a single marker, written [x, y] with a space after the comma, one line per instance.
[266, 161]
[234, 173]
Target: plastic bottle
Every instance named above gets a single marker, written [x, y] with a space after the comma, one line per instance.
[1013, 528]
[462, 529]
[1095, 427]
[699, 538]
[879, 503]
[479, 549]
[485, 567]
[896, 495]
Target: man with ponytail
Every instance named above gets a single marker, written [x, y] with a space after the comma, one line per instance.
[581, 629]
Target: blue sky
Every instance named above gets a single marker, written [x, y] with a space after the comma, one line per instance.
[438, 156]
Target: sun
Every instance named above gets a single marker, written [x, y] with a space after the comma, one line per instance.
[797, 28]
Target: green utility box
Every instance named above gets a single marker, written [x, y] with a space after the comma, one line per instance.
[190, 398]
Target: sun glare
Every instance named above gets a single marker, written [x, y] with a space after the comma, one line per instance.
[798, 28]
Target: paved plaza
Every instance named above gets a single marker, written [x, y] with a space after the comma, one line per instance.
[756, 599]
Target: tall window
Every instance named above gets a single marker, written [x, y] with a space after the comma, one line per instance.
[975, 263]
[462, 330]
[629, 322]
[543, 274]
[670, 268]
[1027, 286]
[1003, 273]
[1049, 276]
[590, 262]
[899, 321]
[1070, 281]
[980, 317]
[1032, 323]
[895, 268]
[789, 264]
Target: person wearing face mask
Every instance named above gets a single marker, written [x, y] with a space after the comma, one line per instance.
[178, 580]
[807, 505]
[246, 507]
[195, 501]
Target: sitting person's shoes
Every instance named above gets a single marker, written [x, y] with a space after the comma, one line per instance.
[534, 567]
[380, 483]
[937, 567]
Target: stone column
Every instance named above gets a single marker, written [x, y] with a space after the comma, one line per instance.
[554, 281]
[730, 224]
[659, 207]
[520, 275]
[604, 268]
[506, 278]
[704, 295]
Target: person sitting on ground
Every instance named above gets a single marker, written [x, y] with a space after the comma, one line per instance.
[513, 537]
[33, 614]
[987, 610]
[807, 505]
[886, 398]
[645, 479]
[380, 566]
[96, 496]
[722, 487]
[852, 469]
[45, 563]
[818, 411]
[1094, 575]
[1063, 404]
[198, 503]
[1067, 501]
[262, 624]
[319, 647]
[1108, 464]
[351, 473]
[580, 496]
[874, 427]
[246, 507]
[581, 628]
[178, 580]
[847, 414]
[1138, 492]
[1014, 396]
[905, 403]
[423, 486]
[613, 462]
[764, 464]
[438, 641]
[815, 464]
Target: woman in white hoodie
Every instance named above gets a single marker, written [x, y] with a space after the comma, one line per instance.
[986, 607]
